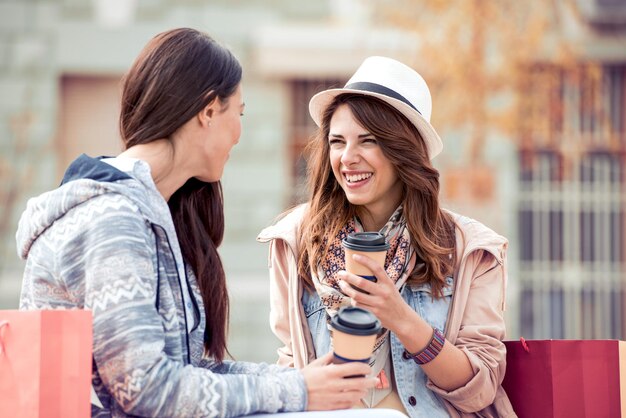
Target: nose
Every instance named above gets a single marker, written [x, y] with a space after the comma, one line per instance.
[350, 154]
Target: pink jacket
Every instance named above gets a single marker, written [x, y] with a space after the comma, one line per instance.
[475, 320]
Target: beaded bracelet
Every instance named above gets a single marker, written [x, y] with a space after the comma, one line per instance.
[431, 351]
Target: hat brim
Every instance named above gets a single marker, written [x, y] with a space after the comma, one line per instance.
[323, 99]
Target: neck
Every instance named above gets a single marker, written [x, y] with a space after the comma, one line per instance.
[160, 156]
[375, 216]
[372, 222]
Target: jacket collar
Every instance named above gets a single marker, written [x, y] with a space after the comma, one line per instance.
[475, 235]
[286, 228]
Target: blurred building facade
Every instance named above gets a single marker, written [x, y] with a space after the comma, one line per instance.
[556, 189]
[572, 207]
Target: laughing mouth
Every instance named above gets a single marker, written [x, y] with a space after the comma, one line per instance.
[355, 178]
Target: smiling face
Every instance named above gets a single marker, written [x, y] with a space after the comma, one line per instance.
[366, 175]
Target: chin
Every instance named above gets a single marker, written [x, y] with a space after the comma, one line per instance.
[209, 179]
[357, 200]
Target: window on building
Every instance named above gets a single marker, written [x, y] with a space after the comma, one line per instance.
[302, 129]
[572, 207]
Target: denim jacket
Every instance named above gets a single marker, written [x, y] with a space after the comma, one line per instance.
[410, 379]
[474, 321]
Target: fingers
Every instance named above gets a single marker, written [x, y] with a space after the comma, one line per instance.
[369, 299]
[328, 387]
[348, 279]
[336, 371]
[353, 368]
[376, 268]
[340, 371]
[335, 374]
[358, 383]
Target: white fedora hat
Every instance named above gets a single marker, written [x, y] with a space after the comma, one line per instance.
[395, 83]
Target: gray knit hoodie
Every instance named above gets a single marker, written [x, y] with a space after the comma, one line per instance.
[104, 241]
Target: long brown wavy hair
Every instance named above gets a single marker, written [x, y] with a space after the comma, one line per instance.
[431, 229]
[176, 75]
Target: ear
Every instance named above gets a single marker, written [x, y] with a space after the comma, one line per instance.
[207, 113]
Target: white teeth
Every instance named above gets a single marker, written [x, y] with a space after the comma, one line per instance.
[352, 178]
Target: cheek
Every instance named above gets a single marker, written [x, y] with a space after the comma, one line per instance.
[236, 128]
[385, 166]
[391, 176]
[335, 161]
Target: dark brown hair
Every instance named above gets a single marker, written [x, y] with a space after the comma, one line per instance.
[431, 229]
[176, 75]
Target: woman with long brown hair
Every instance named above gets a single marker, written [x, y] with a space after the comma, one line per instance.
[440, 294]
[134, 239]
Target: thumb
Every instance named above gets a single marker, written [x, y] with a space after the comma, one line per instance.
[324, 360]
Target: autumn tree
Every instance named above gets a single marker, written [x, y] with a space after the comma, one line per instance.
[474, 54]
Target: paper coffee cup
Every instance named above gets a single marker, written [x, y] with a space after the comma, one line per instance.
[354, 333]
[370, 244]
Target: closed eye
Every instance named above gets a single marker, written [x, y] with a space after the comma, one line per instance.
[335, 141]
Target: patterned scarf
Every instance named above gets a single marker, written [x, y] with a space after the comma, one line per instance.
[399, 256]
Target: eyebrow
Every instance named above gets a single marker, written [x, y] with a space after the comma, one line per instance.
[367, 135]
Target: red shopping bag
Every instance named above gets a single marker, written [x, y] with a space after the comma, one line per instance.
[566, 378]
[45, 364]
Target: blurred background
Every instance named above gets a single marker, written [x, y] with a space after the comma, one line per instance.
[529, 98]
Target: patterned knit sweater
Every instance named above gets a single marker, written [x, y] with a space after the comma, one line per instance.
[103, 242]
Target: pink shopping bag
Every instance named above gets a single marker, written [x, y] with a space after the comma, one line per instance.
[566, 378]
[45, 363]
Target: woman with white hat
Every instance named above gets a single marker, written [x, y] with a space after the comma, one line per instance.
[440, 295]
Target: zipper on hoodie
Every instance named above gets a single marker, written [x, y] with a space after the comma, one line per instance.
[180, 286]
[194, 302]
[157, 303]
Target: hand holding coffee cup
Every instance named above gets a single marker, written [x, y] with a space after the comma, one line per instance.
[354, 333]
[371, 244]
[328, 388]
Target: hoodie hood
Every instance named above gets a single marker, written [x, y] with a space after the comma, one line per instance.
[84, 179]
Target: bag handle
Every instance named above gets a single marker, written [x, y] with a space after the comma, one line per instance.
[3, 325]
[524, 344]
